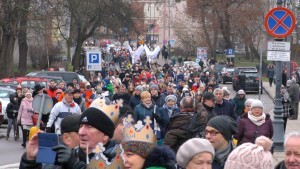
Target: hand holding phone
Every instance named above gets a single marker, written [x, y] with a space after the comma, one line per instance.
[46, 142]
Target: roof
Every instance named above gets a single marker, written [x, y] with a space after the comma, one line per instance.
[25, 78]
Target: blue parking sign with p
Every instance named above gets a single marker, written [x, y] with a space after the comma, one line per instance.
[94, 58]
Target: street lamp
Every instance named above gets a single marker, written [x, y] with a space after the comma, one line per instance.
[278, 109]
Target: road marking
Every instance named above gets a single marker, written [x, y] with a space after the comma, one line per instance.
[10, 166]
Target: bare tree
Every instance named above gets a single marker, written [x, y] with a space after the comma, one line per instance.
[22, 37]
[9, 23]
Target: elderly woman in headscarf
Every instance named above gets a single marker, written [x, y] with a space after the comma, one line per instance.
[254, 124]
[165, 112]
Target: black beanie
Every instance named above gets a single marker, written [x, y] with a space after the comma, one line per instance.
[38, 87]
[98, 119]
[225, 125]
[70, 124]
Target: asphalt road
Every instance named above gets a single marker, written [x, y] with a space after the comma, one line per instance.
[11, 151]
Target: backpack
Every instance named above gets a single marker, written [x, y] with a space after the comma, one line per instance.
[194, 130]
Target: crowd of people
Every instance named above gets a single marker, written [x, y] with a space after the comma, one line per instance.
[161, 116]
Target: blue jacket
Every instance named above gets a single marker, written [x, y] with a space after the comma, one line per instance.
[164, 119]
[271, 73]
[226, 108]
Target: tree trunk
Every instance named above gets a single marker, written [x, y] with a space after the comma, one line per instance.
[77, 54]
[207, 38]
[23, 49]
[22, 39]
[6, 55]
[224, 20]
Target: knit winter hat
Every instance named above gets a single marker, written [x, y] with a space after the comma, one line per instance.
[251, 156]
[140, 88]
[171, 97]
[191, 148]
[38, 87]
[98, 119]
[225, 91]
[154, 86]
[241, 91]
[225, 125]
[256, 103]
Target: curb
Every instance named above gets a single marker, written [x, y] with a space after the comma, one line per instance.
[268, 92]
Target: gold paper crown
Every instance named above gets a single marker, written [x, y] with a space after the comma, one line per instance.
[112, 110]
[141, 133]
[100, 161]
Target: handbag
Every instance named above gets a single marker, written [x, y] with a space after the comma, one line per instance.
[291, 111]
[35, 118]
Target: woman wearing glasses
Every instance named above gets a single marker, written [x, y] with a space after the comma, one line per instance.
[254, 124]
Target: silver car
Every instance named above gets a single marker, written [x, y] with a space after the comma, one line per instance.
[5, 92]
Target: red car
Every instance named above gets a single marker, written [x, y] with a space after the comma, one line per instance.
[29, 82]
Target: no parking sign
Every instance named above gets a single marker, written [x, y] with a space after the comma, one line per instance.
[280, 22]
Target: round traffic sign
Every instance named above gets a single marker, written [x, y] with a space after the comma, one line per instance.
[280, 22]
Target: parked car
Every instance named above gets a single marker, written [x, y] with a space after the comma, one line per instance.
[252, 81]
[9, 85]
[5, 92]
[50, 78]
[236, 72]
[83, 80]
[65, 75]
[26, 81]
[188, 63]
[227, 75]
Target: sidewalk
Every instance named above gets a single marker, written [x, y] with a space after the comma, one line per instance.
[292, 125]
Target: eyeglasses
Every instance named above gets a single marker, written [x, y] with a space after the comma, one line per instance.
[213, 133]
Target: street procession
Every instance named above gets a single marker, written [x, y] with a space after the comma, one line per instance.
[150, 84]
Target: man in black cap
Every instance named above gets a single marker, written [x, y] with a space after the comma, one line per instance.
[219, 131]
[95, 127]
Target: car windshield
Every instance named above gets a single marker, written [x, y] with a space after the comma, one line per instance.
[4, 94]
[218, 68]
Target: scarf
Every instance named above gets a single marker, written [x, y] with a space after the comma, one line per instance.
[147, 105]
[221, 155]
[170, 109]
[257, 120]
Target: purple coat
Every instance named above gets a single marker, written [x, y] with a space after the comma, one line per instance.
[248, 131]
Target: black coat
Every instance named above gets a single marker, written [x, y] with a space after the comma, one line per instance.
[11, 107]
